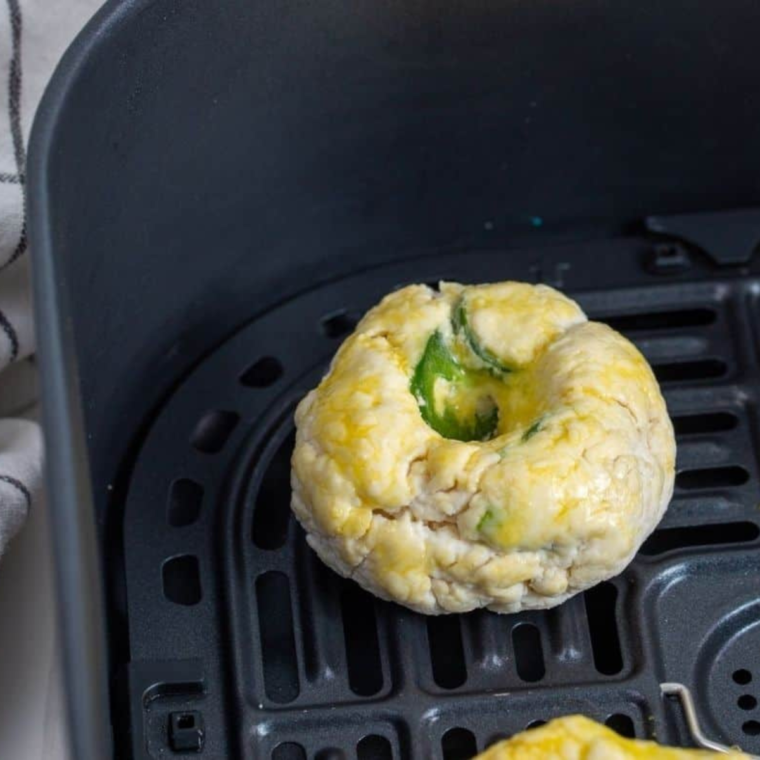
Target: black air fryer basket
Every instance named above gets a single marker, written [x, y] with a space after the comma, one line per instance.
[219, 190]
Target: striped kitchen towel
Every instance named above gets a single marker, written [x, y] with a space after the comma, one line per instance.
[33, 36]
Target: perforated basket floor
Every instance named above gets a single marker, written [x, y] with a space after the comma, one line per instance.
[237, 640]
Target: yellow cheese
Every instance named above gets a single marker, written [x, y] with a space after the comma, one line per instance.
[577, 738]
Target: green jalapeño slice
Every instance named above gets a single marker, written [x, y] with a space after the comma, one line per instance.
[453, 399]
[462, 327]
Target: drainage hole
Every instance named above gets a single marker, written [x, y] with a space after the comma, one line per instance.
[330, 754]
[529, 655]
[365, 667]
[712, 477]
[182, 580]
[374, 748]
[459, 744]
[660, 320]
[669, 539]
[601, 613]
[742, 676]
[271, 513]
[702, 369]
[709, 422]
[262, 373]
[339, 324]
[751, 728]
[747, 702]
[289, 751]
[446, 651]
[278, 646]
[213, 431]
[185, 497]
[622, 724]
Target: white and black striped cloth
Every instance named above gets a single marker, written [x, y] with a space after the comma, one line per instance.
[33, 36]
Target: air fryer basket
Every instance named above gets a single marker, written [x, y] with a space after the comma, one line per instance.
[217, 193]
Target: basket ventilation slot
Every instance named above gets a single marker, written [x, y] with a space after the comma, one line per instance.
[446, 651]
[459, 744]
[271, 514]
[365, 670]
[182, 580]
[601, 602]
[669, 539]
[529, 655]
[185, 498]
[278, 647]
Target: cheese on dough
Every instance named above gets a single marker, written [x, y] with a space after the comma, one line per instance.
[482, 446]
[578, 738]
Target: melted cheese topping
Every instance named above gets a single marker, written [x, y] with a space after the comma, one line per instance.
[577, 473]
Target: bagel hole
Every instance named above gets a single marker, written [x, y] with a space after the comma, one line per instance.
[459, 744]
[529, 653]
[365, 668]
[601, 613]
[278, 645]
[374, 747]
[440, 384]
[446, 651]
[670, 539]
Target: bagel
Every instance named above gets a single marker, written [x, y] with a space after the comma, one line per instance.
[575, 737]
[481, 446]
